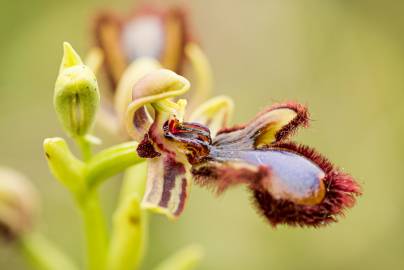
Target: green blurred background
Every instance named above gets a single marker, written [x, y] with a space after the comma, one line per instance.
[344, 59]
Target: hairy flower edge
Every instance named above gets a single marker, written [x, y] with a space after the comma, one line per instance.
[341, 193]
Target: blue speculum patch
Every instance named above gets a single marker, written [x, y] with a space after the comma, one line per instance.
[294, 174]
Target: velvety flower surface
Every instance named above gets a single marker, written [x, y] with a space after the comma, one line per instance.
[290, 183]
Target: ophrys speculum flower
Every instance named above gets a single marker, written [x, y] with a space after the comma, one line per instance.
[290, 183]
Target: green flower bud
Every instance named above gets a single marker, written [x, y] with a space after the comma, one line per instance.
[77, 97]
[18, 204]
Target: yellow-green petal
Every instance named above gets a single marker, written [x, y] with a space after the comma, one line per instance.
[214, 113]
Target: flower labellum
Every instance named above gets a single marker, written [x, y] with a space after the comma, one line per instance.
[290, 183]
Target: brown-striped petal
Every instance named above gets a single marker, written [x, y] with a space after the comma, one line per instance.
[272, 125]
[169, 177]
[168, 184]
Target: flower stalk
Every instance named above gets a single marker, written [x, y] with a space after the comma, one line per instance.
[44, 255]
[129, 234]
[76, 101]
[95, 230]
[82, 179]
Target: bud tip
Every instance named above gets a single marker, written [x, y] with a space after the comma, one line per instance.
[70, 56]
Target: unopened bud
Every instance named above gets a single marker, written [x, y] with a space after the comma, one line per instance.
[77, 97]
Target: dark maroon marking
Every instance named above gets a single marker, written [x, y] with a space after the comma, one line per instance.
[341, 192]
[145, 149]
[194, 137]
[187, 130]
[140, 118]
[183, 197]
[172, 168]
[157, 139]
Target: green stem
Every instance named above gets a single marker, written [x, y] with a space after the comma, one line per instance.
[95, 230]
[111, 161]
[85, 147]
[43, 255]
[130, 223]
[93, 215]
[83, 180]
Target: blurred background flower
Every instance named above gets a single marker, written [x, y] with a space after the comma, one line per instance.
[18, 205]
[344, 59]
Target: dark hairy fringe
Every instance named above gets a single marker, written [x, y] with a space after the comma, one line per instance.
[302, 119]
[341, 192]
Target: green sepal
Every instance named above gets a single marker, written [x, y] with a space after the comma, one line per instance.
[64, 165]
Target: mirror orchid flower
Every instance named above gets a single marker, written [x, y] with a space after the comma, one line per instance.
[290, 183]
[149, 38]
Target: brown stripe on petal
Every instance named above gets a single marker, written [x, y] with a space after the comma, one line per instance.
[183, 197]
[140, 118]
[172, 169]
